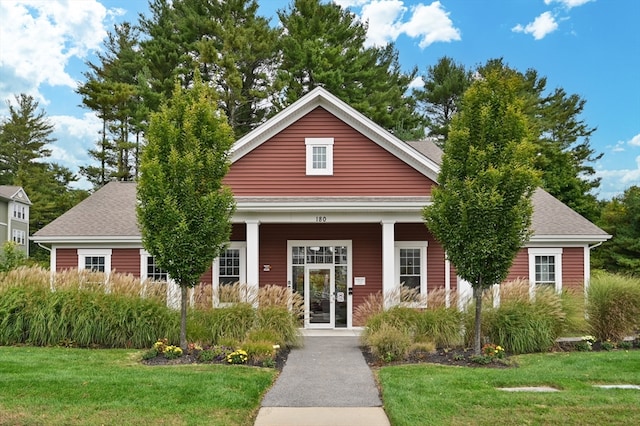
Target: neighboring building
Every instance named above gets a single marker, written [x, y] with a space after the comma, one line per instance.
[14, 216]
[330, 205]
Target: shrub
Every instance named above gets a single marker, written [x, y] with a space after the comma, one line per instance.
[281, 322]
[259, 351]
[522, 323]
[440, 325]
[613, 306]
[389, 343]
[400, 317]
[420, 350]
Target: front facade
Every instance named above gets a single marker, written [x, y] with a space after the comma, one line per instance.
[14, 216]
[329, 205]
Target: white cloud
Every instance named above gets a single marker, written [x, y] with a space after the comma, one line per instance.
[350, 3]
[431, 24]
[635, 141]
[38, 38]
[568, 3]
[427, 23]
[614, 182]
[87, 127]
[540, 27]
[385, 21]
[417, 83]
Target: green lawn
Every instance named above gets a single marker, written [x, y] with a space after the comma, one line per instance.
[442, 395]
[83, 386]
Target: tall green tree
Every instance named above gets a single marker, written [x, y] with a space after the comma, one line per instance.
[113, 91]
[230, 45]
[24, 136]
[440, 98]
[183, 208]
[620, 217]
[324, 45]
[481, 209]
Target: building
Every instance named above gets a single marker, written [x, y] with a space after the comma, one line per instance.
[14, 216]
[330, 205]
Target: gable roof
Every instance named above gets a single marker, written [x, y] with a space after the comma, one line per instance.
[319, 97]
[108, 214]
[14, 193]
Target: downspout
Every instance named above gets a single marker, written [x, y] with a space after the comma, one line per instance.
[587, 280]
[51, 271]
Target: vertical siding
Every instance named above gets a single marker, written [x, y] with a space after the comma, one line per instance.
[360, 166]
[126, 261]
[573, 268]
[66, 259]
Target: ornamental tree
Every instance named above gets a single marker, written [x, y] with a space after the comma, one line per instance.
[184, 210]
[481, 210]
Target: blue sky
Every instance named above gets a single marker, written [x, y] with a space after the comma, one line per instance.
[588, 47]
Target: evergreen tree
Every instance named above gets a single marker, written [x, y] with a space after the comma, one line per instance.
[324, 45]
[444, 86]
[24, 135]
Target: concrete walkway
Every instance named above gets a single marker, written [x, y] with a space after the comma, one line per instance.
[326, 382]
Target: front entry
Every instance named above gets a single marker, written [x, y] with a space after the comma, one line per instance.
[320, 272]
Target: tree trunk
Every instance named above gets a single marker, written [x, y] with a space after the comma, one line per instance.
[183, 317]
[477, 345]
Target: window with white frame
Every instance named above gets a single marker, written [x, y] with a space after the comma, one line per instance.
[95, 260]
[155, 272]
[228, 269]
[319, 156]
[411, 265]
[21, 212]
[545, 267]
[19, 237]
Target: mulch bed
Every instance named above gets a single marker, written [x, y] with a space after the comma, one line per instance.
[192, 358]
[452, 357]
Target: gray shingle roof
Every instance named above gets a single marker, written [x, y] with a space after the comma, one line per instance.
[109, 212]
[8, 192]
[552, 217]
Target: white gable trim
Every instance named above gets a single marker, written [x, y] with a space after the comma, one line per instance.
[320, 97]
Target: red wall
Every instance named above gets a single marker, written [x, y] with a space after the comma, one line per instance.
[361, 167]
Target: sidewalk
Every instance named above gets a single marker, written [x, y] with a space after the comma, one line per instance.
[326, 382]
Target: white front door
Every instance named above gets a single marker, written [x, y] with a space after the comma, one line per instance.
[320, 271]
[319, 285]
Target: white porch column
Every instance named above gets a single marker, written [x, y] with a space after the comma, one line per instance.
[388, 260]
[253, 251]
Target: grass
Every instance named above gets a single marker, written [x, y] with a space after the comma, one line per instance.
[444, 395]
[84, 386]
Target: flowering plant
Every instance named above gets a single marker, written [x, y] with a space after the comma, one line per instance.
[586, 344]
[172, 352]
[493, 351]
[237, 357]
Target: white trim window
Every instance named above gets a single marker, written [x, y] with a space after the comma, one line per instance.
[545, 267]
[229, 268]
[21, 212]
[319, 156]
[95, 260]
[149, 270]
[19, 237]
[411, 265]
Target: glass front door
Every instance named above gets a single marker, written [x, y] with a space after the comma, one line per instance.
[319, 272]
[320, 303]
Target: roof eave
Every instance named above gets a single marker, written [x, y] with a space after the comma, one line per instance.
[99, 239]
[585, 239]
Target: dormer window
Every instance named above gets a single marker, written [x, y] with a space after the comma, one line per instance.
[319, 156]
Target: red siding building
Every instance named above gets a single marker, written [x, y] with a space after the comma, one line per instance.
[330, 205]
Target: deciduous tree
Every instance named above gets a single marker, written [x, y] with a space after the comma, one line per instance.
[481, 209]
[183, 208]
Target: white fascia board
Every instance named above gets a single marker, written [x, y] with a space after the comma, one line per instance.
[101, 240]
[585, 239]
[319, 97]
[354, 206]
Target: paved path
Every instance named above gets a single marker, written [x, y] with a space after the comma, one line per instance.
[326, 382]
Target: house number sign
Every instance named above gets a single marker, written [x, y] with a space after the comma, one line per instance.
[321, 219]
